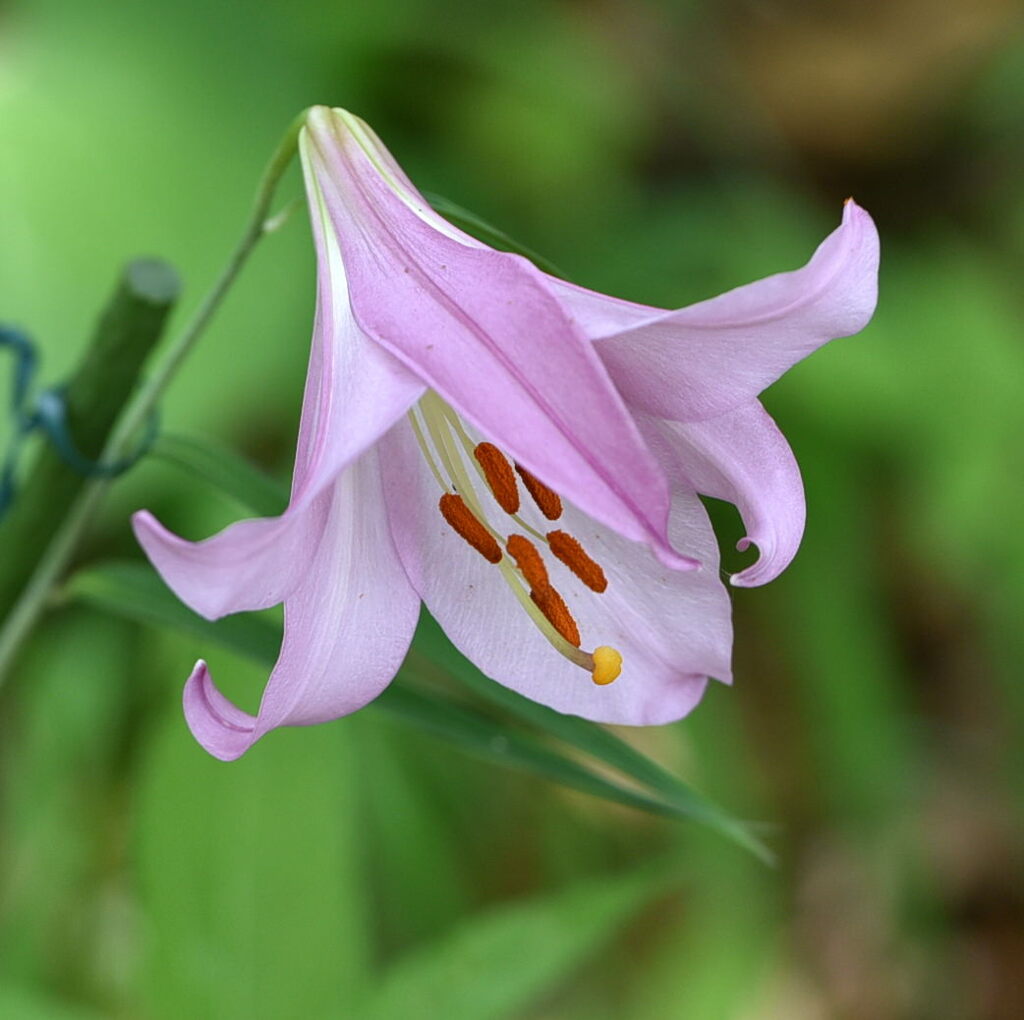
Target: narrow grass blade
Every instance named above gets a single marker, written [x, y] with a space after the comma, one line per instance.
[484, 231]
[588, 737]
[224, 470]
[133, 591]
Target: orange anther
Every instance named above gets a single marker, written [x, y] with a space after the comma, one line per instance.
[548, 500]
[573, 555]
[528, 560]
[464, 522]
[498, 472]
[553, 606]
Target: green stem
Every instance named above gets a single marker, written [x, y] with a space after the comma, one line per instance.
[152, 390]
[94, 396]
[54, 561]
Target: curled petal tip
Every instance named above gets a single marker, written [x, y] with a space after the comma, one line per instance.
[757, 574]
[222, 728]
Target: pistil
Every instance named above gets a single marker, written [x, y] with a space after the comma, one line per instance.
[464, 513]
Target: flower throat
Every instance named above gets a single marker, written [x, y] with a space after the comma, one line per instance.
[447, 446]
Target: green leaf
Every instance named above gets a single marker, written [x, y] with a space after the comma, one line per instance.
[483, 231]
[224, 470]
[133, 591]
[251, 878]
[484, 738]
[58, 807]
[500, 963]
[588, 737]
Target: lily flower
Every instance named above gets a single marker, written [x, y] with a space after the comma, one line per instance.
[522, 455]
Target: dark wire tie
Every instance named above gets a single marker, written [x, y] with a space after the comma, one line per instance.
[48, 414]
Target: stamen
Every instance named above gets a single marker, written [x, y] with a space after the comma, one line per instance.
[548, 500]
[469, 446]
[572, 554]
[556, 612]
[466, 516]
[500, 479]
[424, 446]
[528, 560]
[465, 523]
[607, 665]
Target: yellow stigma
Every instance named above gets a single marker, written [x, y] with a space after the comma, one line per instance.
[607, 665]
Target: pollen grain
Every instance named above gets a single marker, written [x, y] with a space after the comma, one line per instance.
[553, 606]
[465, 523]
[500, 478]
[549, 502]
[528, 560]
[572, 554]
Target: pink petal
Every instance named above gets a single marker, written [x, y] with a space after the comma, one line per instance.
[482, 329]
[354, 392]
[249, 565]
[711, 357]
[348, 625]
[742, 457]
[673, 628]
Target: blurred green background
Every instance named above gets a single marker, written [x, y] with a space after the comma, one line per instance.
[663, 152]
